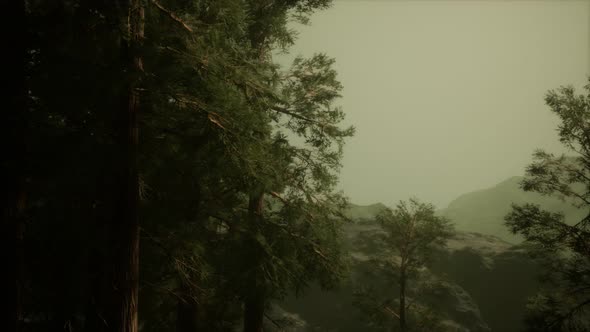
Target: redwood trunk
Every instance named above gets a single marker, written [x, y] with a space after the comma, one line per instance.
[124, 230]
[255, 300]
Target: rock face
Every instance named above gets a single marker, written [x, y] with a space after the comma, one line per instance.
[458, 308]
[483, 284]
[498, 276]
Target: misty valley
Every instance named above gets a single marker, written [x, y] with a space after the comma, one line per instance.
[297, 166]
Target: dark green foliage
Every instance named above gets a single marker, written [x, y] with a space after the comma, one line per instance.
[412, 234]
[563, 248]
[413, 231]
[217, 123]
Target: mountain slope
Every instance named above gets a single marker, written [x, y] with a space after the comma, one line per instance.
[483, 211]
[483, 285]
[364, 212]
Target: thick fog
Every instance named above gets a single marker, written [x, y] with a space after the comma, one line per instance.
[447, 96]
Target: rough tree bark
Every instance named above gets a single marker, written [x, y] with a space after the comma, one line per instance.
[255, 300]
[129, 273]
[124, 228]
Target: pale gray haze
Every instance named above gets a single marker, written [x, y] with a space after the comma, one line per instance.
[447, 97]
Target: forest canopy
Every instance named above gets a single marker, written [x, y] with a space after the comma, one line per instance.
[168, 167]
[168, 123]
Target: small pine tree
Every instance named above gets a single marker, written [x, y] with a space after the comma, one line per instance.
[412, 233]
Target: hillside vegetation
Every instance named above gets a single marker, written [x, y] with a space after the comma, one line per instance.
[469, 273]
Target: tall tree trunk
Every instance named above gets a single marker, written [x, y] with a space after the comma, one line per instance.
[129, 269]
[124, 228]
[20, 254]
[402, 299]
[255, 299]
[14, 170]
[255, 302]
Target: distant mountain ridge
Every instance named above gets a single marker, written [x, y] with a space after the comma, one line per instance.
[483, 211]
[487, 278]
[364, 212]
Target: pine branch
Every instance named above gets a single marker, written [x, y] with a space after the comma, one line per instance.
[172, 15]
[314, 246]
[571, 312]
[388, 310]
[300, 117]
[165, 289]
[177, 261]
[293, 114]
[286, 202]
[273, 321]
[281, 198]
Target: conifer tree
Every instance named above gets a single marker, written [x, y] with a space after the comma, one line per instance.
[563, 247]
[215, 168]
[300, 178]
[412, 233]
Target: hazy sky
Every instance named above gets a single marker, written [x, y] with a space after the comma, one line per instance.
[447, 96]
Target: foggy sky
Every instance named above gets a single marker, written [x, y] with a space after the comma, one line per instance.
[447, 97]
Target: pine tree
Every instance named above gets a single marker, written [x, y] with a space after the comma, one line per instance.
[563, 247]
[305, 184]
[412, 233]
[210, 174]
